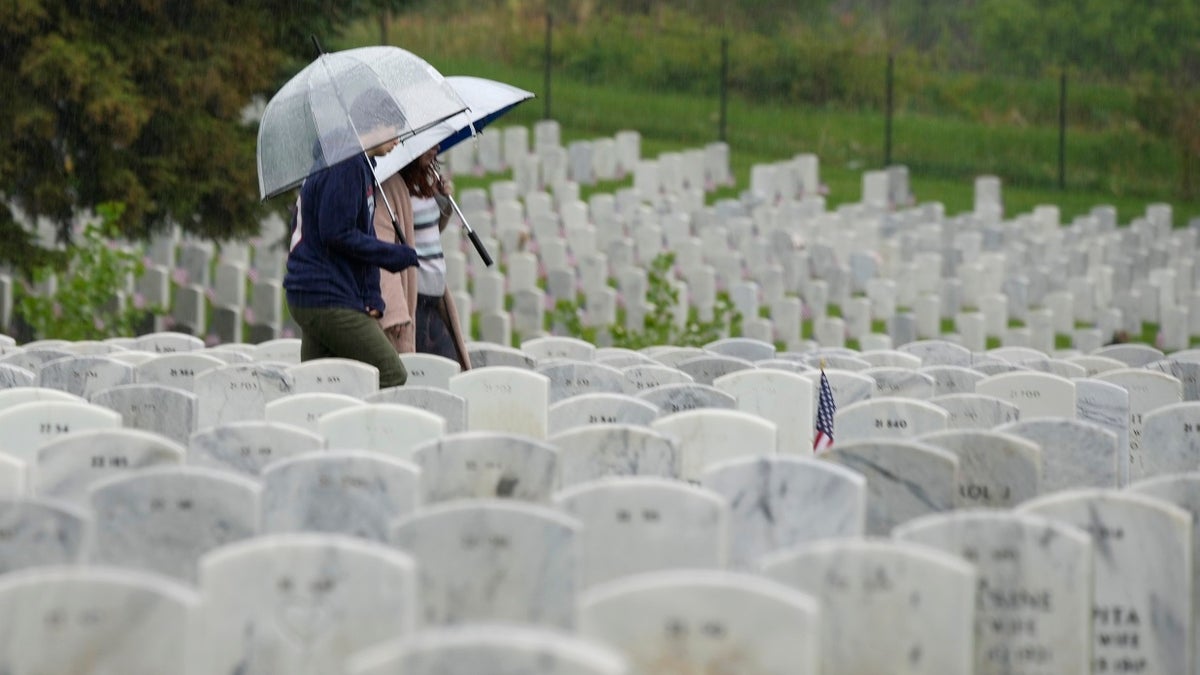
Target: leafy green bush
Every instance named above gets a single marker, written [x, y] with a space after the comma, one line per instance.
[84, 305]
[660, 325]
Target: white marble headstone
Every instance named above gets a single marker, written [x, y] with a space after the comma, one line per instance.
[162, 520]
[976, 411]
[1148, 390]
[598, 451]
[93, 620]
[707, 436]
[643, 376]
[355, 493]
[786, 399]
[247, 447]
[25, 428]
[887, 418]
[491, 560]
[301, 603]
[335, 376]
[496, 649]
[450, 407]
[693, 621]
[1141, 609]
[389, 428]
[674, 398]
[1075, 453]
[239, 392]
[505, 399]
[1033, 611]
[84, 375]
[70, 464]
[661, 524]
[885, 606]
[306, 410]
[905, 479]
[1182, 490]
[38, 532]
[780, 502]
[1107, 405]
[480, 465]
[429, 370]
[952, 379]
[995, 470]
[156, 408]
[1035, 394]
[175, 369]
[604, 408]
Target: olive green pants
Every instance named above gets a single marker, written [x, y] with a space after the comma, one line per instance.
[348, 334]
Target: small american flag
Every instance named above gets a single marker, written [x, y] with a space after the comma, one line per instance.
[825, 409]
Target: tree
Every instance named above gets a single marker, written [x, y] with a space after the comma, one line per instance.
[141, 103]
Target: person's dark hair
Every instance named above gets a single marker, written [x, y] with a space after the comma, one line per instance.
[421, 183]
[374, 108]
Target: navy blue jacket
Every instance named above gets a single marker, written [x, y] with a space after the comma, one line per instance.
[335, 257]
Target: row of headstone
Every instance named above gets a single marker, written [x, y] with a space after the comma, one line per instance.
[1075, 582]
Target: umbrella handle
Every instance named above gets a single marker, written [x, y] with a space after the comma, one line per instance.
[483, 253]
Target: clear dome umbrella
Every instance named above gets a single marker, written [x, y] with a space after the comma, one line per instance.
[343, 104]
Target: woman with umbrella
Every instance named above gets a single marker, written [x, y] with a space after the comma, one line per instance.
[332, 279]
[421, 314]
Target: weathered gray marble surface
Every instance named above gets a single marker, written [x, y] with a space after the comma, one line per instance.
[352, 492]
[905, 479]
[39, 533]
[306, 410]
[975, 411]
[25, 428]
[900, 382]
[248, 447]
[938, 353]
[302, 603]
[660, 524]
[673, 398]
[450, 407]
[156, 408]
[888, 418]
[390, 428]
[1035, 394]
[479, 465]
[952, 379]
[863, 586]
[429, 370]
[995, 470]
[640, 377]
[1107, 405]
[749, 349]
[84, 375]
[708, 367]
[559, 347]
[237, 393]
[162, 520]
[502, 560]
[1142, 612]
[1034, 604]
[1075, 453]
[176, 369]
[495, 649]
[93, 620]
[70, 464]
[780, 502]
[335, 376]
[574, 378]
[604, 408]
[598, 451]
[695, 621]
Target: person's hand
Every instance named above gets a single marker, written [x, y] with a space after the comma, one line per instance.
[447, 187]
[406, 257]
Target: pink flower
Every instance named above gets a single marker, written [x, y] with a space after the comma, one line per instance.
[56, 310]
[98, 323]
[139, 301]
[252, 275]
[288, 333]
[211, 339]
[249, 314]
[179, 276]
[210, 294]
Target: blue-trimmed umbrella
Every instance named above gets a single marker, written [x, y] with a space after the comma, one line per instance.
[486, 101]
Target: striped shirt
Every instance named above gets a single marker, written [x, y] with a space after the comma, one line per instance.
[427, 240]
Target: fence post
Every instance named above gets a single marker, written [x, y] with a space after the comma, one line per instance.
[1062, 130]
[546, 85]
[724, 88]
[887, 129]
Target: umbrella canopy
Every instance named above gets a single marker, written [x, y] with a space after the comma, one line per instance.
[486, 101]
[344, 103]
